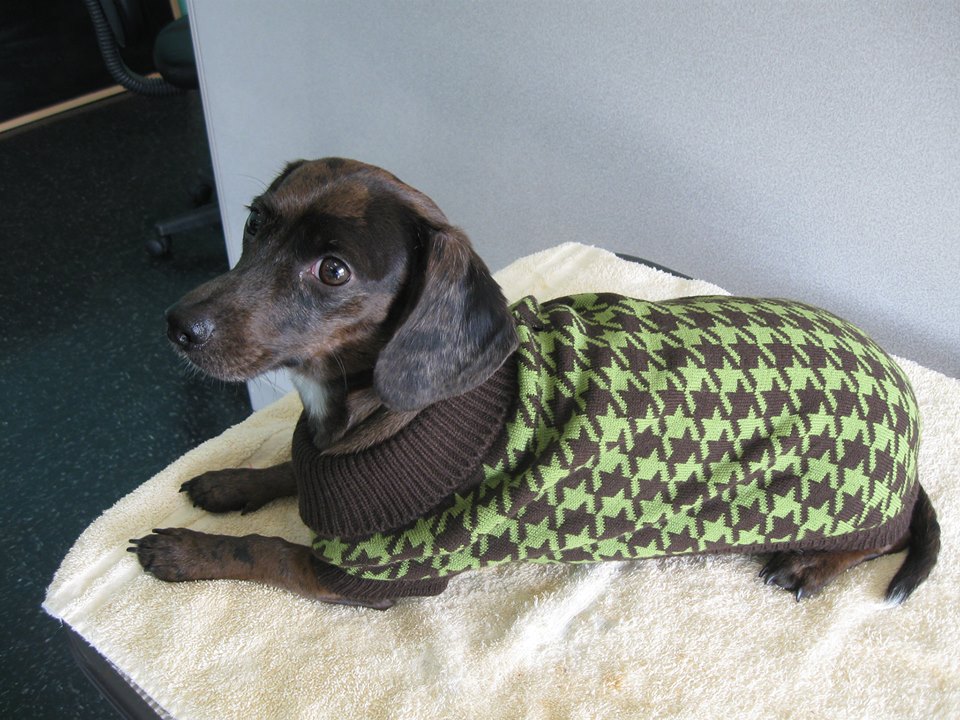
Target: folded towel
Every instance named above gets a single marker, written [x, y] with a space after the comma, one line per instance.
[683, 637]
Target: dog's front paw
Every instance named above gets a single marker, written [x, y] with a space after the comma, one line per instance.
[171, 554]
[220, 491]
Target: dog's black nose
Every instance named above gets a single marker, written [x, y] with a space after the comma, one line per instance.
[188, 332]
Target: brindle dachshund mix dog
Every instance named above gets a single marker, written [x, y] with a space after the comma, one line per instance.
[390, 323]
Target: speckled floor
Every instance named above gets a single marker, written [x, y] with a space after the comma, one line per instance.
[93, 400]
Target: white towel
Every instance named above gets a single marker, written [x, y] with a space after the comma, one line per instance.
[685, 637]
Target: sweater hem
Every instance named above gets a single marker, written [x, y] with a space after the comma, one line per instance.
[889, 533]
[356, 588]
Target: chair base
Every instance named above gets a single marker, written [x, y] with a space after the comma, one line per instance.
[204, 216]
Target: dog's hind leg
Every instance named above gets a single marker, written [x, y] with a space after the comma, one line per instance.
[243, 489]
[806, 573]
[180, 555]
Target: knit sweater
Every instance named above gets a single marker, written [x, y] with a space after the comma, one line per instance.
[625, 429]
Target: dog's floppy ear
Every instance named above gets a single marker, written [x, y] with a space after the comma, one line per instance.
[458, 331]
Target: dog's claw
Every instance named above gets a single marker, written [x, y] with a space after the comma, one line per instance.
[770, 576]
[796, 573]
[168, 553]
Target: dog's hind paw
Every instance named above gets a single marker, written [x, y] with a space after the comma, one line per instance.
[803, 574]
[806, 573]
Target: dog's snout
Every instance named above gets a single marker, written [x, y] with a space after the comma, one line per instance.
[186, 331]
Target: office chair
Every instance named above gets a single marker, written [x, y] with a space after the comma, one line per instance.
[119, 24]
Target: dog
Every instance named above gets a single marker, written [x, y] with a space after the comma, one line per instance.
[444, 430]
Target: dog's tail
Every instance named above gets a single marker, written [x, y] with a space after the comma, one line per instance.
[922, 551]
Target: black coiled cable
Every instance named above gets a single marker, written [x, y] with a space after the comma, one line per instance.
[115, 64]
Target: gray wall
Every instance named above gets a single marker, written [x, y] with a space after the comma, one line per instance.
[804, 149]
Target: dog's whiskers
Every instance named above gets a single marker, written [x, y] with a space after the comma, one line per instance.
[270, 382]
[343, 371]
[263, 185]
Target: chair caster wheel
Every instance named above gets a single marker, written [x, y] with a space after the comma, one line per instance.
[158, 246]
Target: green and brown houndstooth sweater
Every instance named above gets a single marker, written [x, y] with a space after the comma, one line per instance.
[625, 429]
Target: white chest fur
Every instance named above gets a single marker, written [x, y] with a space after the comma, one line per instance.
[314, 396]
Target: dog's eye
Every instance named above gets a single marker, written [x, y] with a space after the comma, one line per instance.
[331, 271]
[254, 221]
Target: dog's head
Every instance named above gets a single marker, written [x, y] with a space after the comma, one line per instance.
[345, 271]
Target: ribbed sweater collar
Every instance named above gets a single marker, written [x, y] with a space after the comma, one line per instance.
[387, 486]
